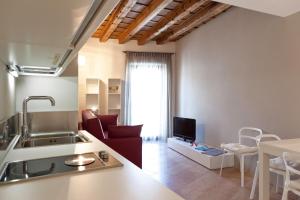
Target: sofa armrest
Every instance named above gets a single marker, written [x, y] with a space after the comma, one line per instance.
[130, 148]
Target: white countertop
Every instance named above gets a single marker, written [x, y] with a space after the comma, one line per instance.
[127, 182]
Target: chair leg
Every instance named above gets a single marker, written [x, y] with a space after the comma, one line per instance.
[285, 193]
[277, 183]
[254, 183]
[242, 162]
[222, 162]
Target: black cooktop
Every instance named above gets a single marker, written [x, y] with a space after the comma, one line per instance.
[45, 167]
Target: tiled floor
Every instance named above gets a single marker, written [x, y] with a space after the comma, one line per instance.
[192, 181]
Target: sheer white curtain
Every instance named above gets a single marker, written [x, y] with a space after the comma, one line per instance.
[148, 93]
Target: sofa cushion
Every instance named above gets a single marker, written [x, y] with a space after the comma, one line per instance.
[94, 127]
[124, 131]
[107, 120]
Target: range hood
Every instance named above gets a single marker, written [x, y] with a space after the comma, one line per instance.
[41, 37]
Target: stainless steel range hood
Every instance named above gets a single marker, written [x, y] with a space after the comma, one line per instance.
[41, 37]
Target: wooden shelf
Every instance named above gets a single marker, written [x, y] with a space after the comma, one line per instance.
[114, 108]
[92, 93]
[92, 86]
[114, 103]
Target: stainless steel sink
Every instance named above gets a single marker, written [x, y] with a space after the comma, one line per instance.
[52, 134]
[46, 167]
[57, 138]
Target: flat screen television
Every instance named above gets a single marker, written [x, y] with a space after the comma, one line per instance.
[184, 128]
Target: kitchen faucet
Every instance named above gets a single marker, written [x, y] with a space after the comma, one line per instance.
[25, 134]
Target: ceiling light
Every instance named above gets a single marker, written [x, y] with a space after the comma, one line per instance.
[37, 70]
[35, 67]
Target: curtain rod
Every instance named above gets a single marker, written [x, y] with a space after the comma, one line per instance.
[146, 52]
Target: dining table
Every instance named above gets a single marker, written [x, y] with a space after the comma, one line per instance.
[265, 152]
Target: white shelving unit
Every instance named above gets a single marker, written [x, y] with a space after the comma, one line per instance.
[115, 97]
[92, 94]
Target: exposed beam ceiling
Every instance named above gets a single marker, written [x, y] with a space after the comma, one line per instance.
[156, 20]
[143, 18]
[173, 17]
[116, 17]
[196, 20]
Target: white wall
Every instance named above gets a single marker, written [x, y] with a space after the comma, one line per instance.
[7, 94]
[7, 100]
[241, 69]
[107, 60]
[62, 89]
[72, 68]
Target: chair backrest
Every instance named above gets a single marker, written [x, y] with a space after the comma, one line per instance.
[291, 161]
[250, 133]
[267, 137]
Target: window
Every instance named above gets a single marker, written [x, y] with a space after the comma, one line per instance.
[148, 94]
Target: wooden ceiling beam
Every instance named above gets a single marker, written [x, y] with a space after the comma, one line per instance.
[143, 18]
[116, 17]
[196, 20]
[173, 17]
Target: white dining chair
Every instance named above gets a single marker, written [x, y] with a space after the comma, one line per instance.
[276, 165]
[241, 149]
[292, 175]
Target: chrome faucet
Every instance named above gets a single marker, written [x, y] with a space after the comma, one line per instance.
[25, 134]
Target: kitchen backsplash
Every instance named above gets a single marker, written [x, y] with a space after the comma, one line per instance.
[41, 122]
[52, 121]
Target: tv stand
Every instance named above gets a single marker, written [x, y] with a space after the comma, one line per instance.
[211, 162]
[183, 140]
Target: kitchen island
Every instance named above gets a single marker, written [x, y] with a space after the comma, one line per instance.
[126, 182]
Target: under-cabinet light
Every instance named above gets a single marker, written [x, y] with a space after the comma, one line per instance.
[12, 70]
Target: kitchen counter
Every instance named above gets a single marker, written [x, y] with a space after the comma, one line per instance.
[127, 182]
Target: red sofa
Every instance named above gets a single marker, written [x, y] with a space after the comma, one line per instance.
[125, 140]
